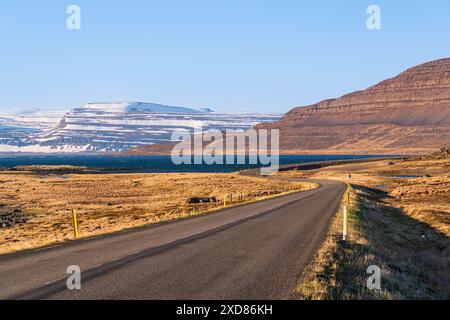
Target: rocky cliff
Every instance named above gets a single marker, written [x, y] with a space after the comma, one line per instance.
[409, 113]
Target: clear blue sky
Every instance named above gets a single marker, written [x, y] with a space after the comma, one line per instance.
[230, 55]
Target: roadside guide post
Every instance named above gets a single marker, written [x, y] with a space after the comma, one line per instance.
[344, 228]
[75, 223]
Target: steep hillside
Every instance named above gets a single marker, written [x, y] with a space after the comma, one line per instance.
[409, 113]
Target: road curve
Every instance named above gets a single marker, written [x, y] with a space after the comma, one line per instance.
[253, 251]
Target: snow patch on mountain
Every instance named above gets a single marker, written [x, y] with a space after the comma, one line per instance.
[113, 127]
[129, 107]
[36, 148]
[35, 119]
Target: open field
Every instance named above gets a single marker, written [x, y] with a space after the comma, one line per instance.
[396, 221]
[107, 203]
[418, 187]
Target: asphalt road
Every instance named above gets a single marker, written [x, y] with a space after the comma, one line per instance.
[254, 251]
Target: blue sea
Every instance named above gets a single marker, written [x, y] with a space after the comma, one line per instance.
[149, 163]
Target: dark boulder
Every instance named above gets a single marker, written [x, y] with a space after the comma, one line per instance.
[198, 200]
[10, 216]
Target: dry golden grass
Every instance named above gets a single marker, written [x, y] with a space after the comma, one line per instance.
[399, 224]
[426, 198]
[413, 257]
[110, 202]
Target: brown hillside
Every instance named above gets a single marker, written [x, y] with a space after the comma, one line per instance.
[409, 113]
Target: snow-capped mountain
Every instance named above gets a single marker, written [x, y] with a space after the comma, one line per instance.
[35, 119]
[114, 127]
[17, 128]
[133, 107]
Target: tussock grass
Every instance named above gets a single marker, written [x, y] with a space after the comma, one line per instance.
[413, 256]
[425, 198]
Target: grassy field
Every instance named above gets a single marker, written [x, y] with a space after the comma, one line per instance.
[419, 188]
[107, 203]
[399, 223]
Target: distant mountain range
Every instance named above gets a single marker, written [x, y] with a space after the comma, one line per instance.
[409, 113]
[112, 127]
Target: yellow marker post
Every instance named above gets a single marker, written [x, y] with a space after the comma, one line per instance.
[225, 201]
[75, 223]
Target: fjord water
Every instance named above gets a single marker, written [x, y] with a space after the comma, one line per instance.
[149, 163]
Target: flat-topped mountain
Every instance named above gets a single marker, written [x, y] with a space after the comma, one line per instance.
[409, 113]
[114, 127]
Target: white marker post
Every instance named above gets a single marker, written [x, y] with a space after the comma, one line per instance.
[344, 225]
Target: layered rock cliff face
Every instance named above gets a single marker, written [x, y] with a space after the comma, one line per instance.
[409, 113]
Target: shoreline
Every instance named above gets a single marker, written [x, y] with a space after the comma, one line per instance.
[80, 167]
